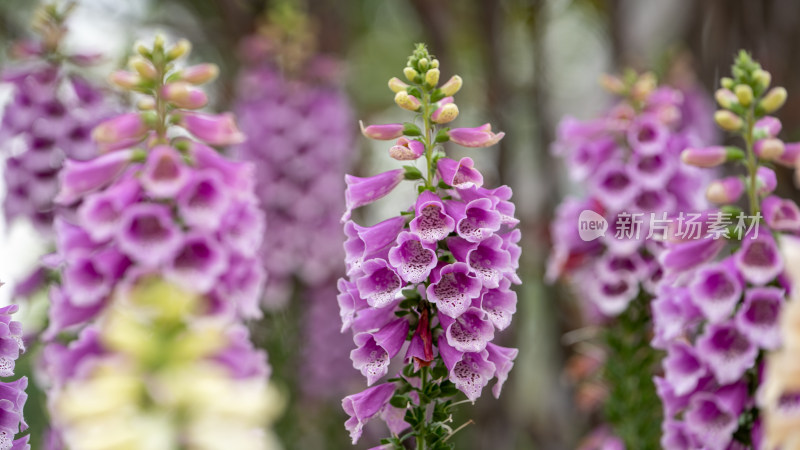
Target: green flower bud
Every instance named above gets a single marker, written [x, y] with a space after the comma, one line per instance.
[744, 93]
[432, 77]
[727, 83]
[410, 74]
[773, 100]
[728, 120]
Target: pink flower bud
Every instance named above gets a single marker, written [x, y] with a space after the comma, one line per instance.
[709, 156]
[407, 149]
[78, 178]
[725, 191]
[481, 136]
[213, 129]
[769, 149]
[120, 132]
[446, 113]
[125, 79]
[199, 74]
[768, 125]
[766, 179]
[407, 101]
[791, 152]
[183, 95]
[385, 132]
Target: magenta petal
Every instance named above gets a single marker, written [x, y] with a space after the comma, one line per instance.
[481, 136]
[81, 177]
[716, 290]
[470, 332]
[758, 318]
[369, 358]
[727, 351]
[682, 367]
[472, 373]
[100, 212]
[431, 223]
[385, 132]
[364, 406]
[164, 173]
[204, 200]
[781, 214]
[480, 220]
[500, 304]
[213, 129]
[380, 283]
[711, 422]
[503, 359]
[148, 234]
[64, 314]
[363, 191]
[758, 259]
[455, 289]
[412, 258]
[460, 174]
[198, 263]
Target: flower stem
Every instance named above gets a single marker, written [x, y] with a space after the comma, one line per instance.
[422, 409]
[161, 105]
[426, 115]
[752, 164]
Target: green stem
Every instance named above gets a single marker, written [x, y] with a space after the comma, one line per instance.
[752, 165]
[426, 114]
[161, 105]
[422, 431]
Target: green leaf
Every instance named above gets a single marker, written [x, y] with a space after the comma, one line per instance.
[442, 135]
[437, 95]
[410, 129]
[399, 401]
[412, 173]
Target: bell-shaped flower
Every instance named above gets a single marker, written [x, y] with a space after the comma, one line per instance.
[164, 173]
[612, 293]
[716, 290]
[412, 258]
[78, 178]
[486, 259]
[380, 283]
[726, 351]
[431, 223]
[481, 136]
[100, 212]
[614, 186]
[239, 176]
[120, 132]
[469, 332]
[647, 135]
[470, 372]
[148, 234]
[712, 418]
[198, 263]
[781, 214]
[385, 132]
[364, 243]
[683, 369]
[460, 174]
[363, 191]
[204, 200]
[758, 318]
[407, 149]
[350, 302]
[452, 289]
[476, 220]
[683, 256]
[242, 227]
[375, 350]
[653, 171]
[503, 360]
[499, 304]
[212, 129]
[364, 406]
[758, 259]
[64, 314]
[90, 278]
[673, 310]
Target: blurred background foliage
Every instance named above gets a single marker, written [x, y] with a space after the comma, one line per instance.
[525, 63]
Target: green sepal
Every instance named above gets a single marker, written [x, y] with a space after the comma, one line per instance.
[413, 90]
[437, 95]
[439, 371]
[411, 129]
[412, 173]
[442, 135]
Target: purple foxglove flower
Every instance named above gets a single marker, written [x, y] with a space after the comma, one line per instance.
[768, 125]
[460, 174]
[407, 149]
[652, 171]
[212, 129]
[716, 290]
[647, 135]
[365, 405]
[32, 283]
[101, 211]
[242, 284]
[203, 201]
[243, 228]
[476, 137]
[12, 401]
[164, 173]
[486, 259]
[503, 360]
[370, 242]
[375, 350]
[676, 435]
[349, 302]
[87, 280]
[363, 191]
[758, 259]
[673, 311]
[791, 152]
[78, 178]
[499, 304]
[385, 132]
[614, 186]
[64, 314]
[712, 419]
[470, 372]
[683, 368]
[683, 256]
[199, 261]
[412, 258]
[453, 289]
[120, 132]
[654, 200]
[726, 351]
[469, 332]
[10, 340]
[758, 317]
[238, 176]
[476, 220]
[431, 223]
[767, 180]
[612, 293]
[380, 283]
[781, 214]
[147, 233]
